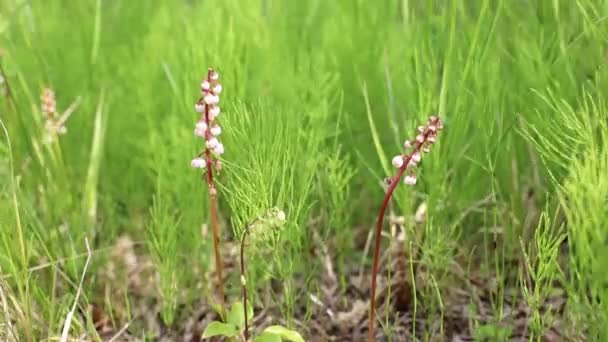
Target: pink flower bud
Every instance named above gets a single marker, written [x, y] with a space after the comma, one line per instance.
[211, 99]
[217, 89]
[198, 163]
[213, 75]
[200, 129]
[410, 179]
[219, 149]
[432, 119]
[216, 130]
[416, 157]
[420, 138]
[205, 85]
[431, 138]
[215, 111]
[398, 161]
[218, 166]
[212, 143]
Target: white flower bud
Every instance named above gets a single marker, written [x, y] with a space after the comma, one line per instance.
[217, 89]
[416, 157]
[410, 179]
[211, 99]
[205, 85]
[198, 163]
[219, 149]
[212, 143]
[199, 107]
[215, 111]
[216, 130]
[200, 129]
[407, 144]
[420, 138]
[214, 76]
[420, 129]
[398, 161]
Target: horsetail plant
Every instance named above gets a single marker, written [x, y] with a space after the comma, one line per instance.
[208, 129]
[260, 229]
[405, 162]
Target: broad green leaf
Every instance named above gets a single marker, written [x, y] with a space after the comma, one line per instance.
[235, 315]
[286, 334]
[268, 337]
[216, 328]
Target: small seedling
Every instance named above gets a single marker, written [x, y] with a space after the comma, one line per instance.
[260, 230]
[208, 129]
[235, 323]
[405, 162]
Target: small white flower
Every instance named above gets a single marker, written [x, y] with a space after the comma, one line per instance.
[212, 143]
[410, 179]
[217, 89]
[199, 107]
[398, 161]
[205, 85]
[420, 129]
[426, 149]
[200, 129]
[216, 130]
[215, 111]
[431, 138]
[219, 149]
[199, 163]
[202, 125]
[407, 144]
[281, 216]
[420, 138]
[214, 76]
[433, 128]
[211, 99]
[416, 157]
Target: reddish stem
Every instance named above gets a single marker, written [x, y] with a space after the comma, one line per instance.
[389, 193]
[213, 209]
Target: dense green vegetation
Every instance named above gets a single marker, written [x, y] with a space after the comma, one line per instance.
[318, 97]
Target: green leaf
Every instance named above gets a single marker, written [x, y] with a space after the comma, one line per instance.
[268, 337]
[216, 328]
[235, 315]
[286, 334]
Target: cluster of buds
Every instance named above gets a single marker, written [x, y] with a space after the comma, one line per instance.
[207, 127]
[426, 137]
[54, 124]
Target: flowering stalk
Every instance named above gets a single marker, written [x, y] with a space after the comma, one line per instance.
[274, 219]
[426, 137]
[208, 129]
